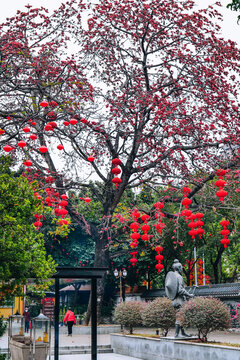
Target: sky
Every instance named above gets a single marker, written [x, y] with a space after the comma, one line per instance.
[230, 28]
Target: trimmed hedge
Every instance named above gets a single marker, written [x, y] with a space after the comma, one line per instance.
[206, 314]
[159, 313]
[129, 314]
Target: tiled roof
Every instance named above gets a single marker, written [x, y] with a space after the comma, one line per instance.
[217, 290]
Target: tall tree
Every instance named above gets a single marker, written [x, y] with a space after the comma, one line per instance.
[22, 252]
[150, 84]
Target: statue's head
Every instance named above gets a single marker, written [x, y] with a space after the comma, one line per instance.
[177, 266]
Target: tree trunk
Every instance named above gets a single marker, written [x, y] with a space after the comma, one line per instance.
[101, 260]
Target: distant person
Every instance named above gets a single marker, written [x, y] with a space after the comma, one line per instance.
[70, 319]
[27, 318]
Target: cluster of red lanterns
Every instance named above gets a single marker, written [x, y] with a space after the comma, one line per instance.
[145, 227]
[116, 171]
[220, 183]
[159, 257]
[61, 209]
[133, 260]
[186, 202]
[38, 223]
[225, 232]
[135, 235]
[159, 216]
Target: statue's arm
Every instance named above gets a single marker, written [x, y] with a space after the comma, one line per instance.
[182, 290]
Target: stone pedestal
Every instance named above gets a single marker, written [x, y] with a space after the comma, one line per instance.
[21, 351]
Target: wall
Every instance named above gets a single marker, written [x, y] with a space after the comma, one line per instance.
[7, 311]
[158, 349]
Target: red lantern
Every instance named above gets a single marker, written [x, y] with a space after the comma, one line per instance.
[87, 199]
[145, 217]
[66, 123]
[64, 196]
[21, 144]
[33, 137]
[43, 149]
[63, 203]
[60, 147]
[44, 104]
[53, 124]
[221, 194]
[28, 163]
[116, 171]
[2, 131]
[186, 202]
[48, 127]
[134, 226]
[135, 236]
[116, 181]
[91, 158]
[159, 267]
[116, 161]
[73, 121]
[26, 129]
[225, 232]
[7, 148]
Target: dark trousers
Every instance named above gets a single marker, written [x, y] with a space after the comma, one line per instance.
[26, 326]
[70, 325]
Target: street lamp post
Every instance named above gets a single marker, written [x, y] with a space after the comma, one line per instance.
[120, 274]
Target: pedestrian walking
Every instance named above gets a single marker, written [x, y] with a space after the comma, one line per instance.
[27, 318]
[70, 319]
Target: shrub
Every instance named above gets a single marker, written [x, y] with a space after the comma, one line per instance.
[3, 326]
[159, 313]
[206, 314]
[129, 314]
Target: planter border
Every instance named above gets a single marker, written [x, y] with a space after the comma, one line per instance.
[169, 349]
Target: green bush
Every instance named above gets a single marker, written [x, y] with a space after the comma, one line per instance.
[159, 313]
[3, 326]
[129, 314]
[206, 314]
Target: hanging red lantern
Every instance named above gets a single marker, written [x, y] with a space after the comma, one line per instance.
[116, 171]
[7, 148]
[116, 162]
[2, 131]
[60, 147]
[26, 129]
[91, 158]
[186, 213]
[135, 236]
[133, 260]
[225, 232]
[186, 202]
[33, 137]
[21, 144]
[116, 181]
[37, 224]
[62, 222]
[134, 226]
[159, 266]
[65, 123]
[220, 183]
[87, 199]
[28, 163]
[64, 196]
[48, 127]
[221, 194]
[43, 149]
[44, 104]
[53, 124]
[73, 121]
[63, 203]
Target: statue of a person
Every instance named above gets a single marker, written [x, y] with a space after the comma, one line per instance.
[175, 291]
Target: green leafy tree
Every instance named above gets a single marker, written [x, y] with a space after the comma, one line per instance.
[22, 252]
[235, 6]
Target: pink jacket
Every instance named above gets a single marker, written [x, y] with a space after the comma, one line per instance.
[69, 316]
